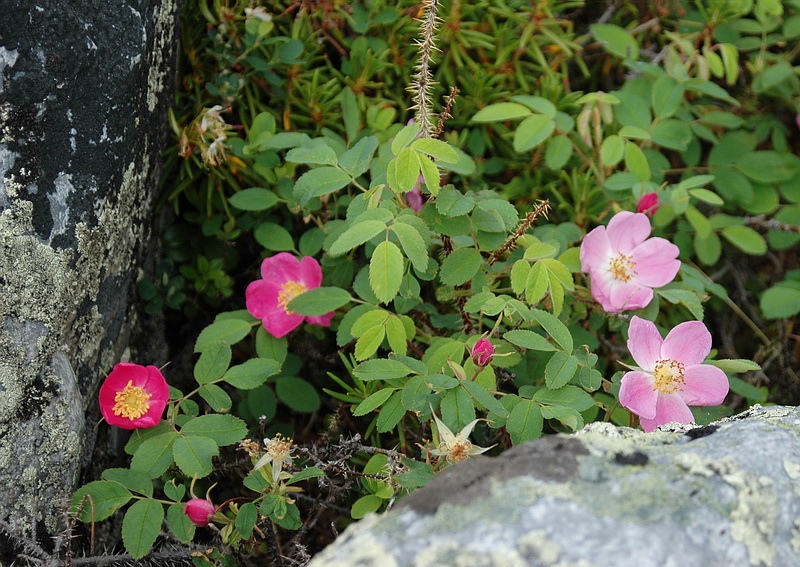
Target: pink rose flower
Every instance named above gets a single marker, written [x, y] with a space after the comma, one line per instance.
[648, 204]
[414, 197]
[672, 376]
[482, 352]
[624, 264]
[284, 278]
[133, 396]
[199, 511]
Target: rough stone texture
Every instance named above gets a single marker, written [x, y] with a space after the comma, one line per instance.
[716, 496]
[84, 86]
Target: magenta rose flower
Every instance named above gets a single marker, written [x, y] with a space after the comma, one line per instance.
[648, 204]
[284, 277]
[624, 264]
[672, 375]
[199, 511]
[482, 352]
[133, 396]
[414, 197]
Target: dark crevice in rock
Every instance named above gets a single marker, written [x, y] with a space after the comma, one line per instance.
[699, 432]
[635, 459]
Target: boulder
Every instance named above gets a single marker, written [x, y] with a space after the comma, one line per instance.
[84, 89]
[722, 495]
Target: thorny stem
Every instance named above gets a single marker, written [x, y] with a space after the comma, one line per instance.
[541, 210]
[451, 99]
[422, 81]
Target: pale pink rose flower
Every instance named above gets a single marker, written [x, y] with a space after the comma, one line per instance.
[648, 204]
[284, 278]
[624, 264]
[672, 376]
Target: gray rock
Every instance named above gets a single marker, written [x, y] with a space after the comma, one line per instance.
[84, 88]
[723, 495]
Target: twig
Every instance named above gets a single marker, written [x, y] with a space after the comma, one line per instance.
[422, 81]
[451, 99]
[541, 210]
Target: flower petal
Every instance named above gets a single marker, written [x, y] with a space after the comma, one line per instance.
[261, 298]
[637, 393]
[670, 407]
[321, 320]
[279, 323]
[627, 230]
[310, 274]
[595, 250]
[689, 343]
[629, 295]
[280, 268]
[601, 290]
[656, 262]
[706, 385]
[644, 342]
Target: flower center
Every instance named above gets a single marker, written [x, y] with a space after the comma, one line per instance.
[131, 402]
[278, 448]
[669, 376]
[289, 291]
[623, 268]
[457, 450]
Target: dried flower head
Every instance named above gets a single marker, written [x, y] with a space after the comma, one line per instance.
[278, 454]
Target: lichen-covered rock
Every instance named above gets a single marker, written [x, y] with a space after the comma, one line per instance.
[83, 92]
[723, 495]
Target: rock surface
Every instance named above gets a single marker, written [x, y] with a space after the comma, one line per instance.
[84, 88]
[723, 495]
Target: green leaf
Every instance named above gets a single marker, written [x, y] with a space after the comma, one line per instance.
[708, 249]
[529, 340]
[616, 40]
[667, 96]
[460, 266]
[407, 169]
[569, 396]
[297, 394]
[356, 235]
[213, 362]
[154, 455]
[216, 397]
[131, 480]
[141, 525]
[319, 301]
[555, 328]
[224, 429]
[524, 422]
[735, 365]
[437, 149]
[368, 343]
[413, 245]
[698, 221]
[251, 373]
[781, 301]
[381, 369]
[484, 397]
[391, 413]
[501, 112]
[415, 393]
[404, 137]
[305, 474]
[612, 150]
[246, 519]
[365, 505]
[228, 331]
[532, 131]
[747, 390]
[458, 409]
[273, 237]
[193, 454]
[254, 199]
[707, 197]
[558, 152]
[430, 174]
[769, 166]
[745, 239]
[636, 162]
[396, 335]
[368, 320]
[373, 402]
[559, 370]
[320, 181]
[536, 284]
[356, 160]
[179, 523]
[386, 271]
[519, 276]
[351, 116]
[317, 154]
[99, 499]
[452, 203]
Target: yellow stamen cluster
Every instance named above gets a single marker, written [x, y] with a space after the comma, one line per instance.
[457, 450]
[623, 268]
[669, 375]
[131, 402]
[250, 447]
[289, 291]
[278, 448]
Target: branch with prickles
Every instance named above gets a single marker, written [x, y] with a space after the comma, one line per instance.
[451, 99]
[541, 210]
[422, 81]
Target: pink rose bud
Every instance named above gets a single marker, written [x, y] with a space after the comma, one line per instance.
[482, 352]
[199, 511]
[648, 204]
